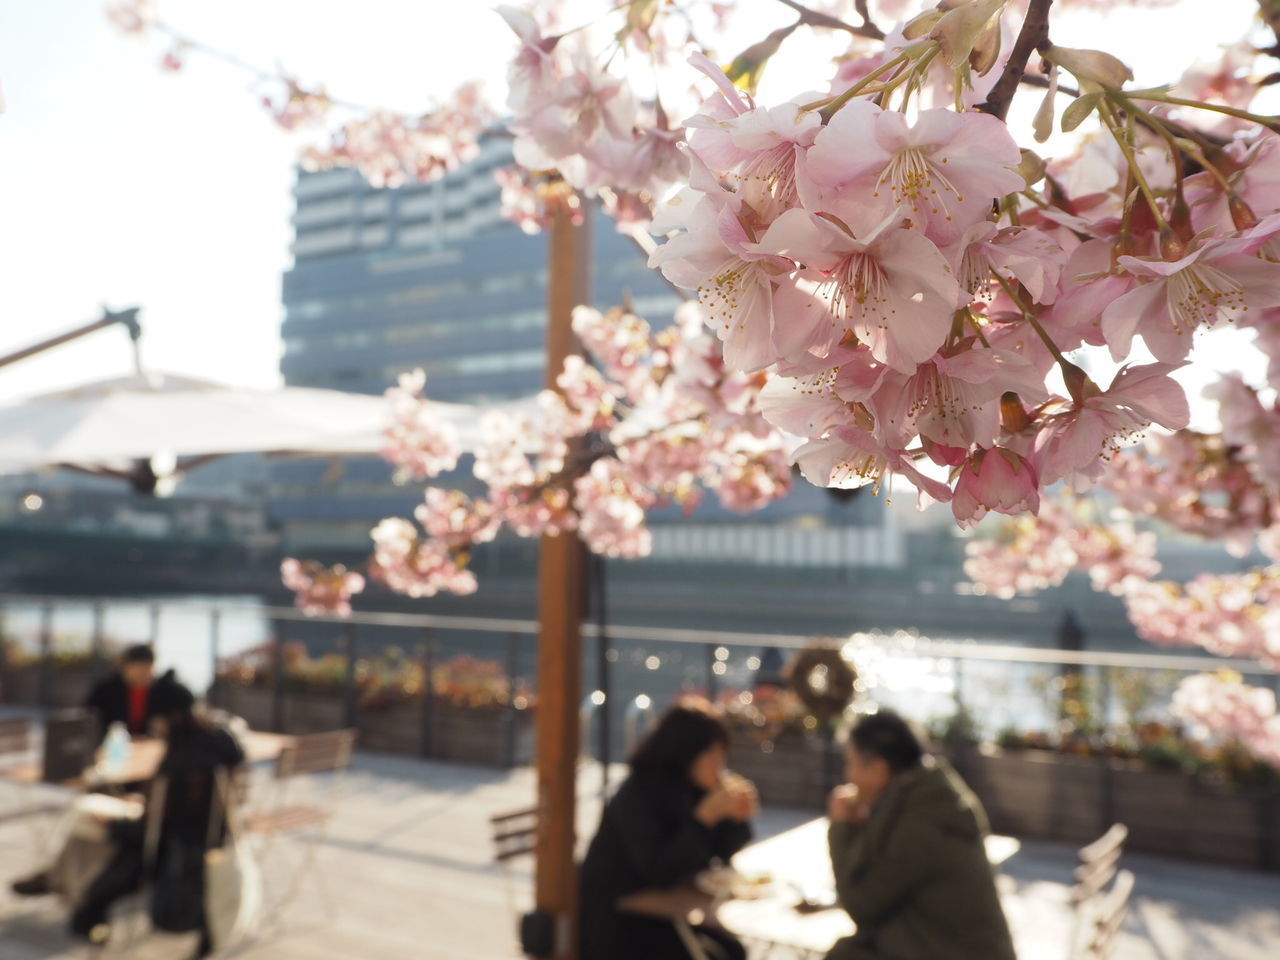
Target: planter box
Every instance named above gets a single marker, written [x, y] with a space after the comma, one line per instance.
[495, 738]
[314, 712]
[1038, 793]
[794, 773]
[393, 729]
[1041, 794]
[20, 685]
[498, 738]
[67, 687]
[253, 704]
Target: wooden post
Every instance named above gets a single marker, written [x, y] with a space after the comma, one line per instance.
[561, 605]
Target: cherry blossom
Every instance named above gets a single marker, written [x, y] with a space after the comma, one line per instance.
[943, 171]
[1221, 708]
[417, 441]
[1075, 440]
[996, 480]
[321, 590]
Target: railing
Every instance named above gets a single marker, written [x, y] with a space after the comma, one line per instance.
[1001, 685]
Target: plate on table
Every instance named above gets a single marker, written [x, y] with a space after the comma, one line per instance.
[726, 883]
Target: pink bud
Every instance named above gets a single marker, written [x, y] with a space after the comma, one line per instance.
[995, 479]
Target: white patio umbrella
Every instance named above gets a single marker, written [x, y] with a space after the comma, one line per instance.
[109, 426]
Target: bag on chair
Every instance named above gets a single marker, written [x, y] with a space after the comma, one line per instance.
[232, 880]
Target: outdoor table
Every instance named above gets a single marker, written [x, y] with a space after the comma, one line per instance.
[144, 761]
[799, 862]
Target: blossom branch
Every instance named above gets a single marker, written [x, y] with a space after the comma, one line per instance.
[1033, 36]
[816, 18]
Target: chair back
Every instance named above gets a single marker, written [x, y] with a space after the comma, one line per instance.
[1098, 863]
[514, 833]
[316, 753]
[1111, 911]
[16, 737]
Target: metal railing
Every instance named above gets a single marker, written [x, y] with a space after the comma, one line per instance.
[917, 674]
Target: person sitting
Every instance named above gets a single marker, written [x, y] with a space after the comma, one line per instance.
[907, 848]
[129, 695]
[199, 762]
[678, 813]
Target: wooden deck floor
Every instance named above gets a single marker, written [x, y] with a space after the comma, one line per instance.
[408, 863]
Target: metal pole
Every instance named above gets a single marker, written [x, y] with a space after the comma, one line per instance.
[561, 603]
[154, 638]
[513, 675]
[713, 678]
[215, 644]
[351, 650]
[45, 690]
[603, 680]
[277, 682]
[127, 317]
[98, 641]
[428, 693]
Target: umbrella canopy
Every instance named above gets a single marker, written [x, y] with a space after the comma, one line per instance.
[113, 423]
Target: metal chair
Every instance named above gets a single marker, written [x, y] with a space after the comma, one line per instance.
[17, 748]
[307, 757]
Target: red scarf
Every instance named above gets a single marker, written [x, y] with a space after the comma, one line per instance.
[138, 697]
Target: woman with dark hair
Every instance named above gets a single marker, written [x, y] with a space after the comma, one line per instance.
[197, 774]
[677, 814]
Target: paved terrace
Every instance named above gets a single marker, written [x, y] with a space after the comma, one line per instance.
[408, 860]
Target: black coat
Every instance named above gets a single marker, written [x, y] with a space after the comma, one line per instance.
[648, 839]
[109, 700]
[193, 817]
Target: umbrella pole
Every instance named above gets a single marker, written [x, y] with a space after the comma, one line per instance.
[561, 607]
[128, 318]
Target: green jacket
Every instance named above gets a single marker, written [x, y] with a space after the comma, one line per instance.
[915, 878]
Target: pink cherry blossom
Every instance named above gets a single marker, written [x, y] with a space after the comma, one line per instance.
[1217, 281]
[1075, 440]
[996, 480]
[408, 563]
[319, 590]
[888, 286]
[300, 107]
[418, 441]
[850, 458]
[1221, 708]
[612, 511]
[944, 170]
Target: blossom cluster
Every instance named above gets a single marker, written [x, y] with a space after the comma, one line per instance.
[657, 419]
[319, 589]
[1220, 707]
[1029, 553]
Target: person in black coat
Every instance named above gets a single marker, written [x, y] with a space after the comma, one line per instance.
[676, 815]
[134, 695]
[192, 820]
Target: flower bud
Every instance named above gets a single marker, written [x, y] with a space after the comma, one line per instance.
[1091, 66]
[1242, 214]
[959, 30]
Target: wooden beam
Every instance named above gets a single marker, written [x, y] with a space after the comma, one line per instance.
[561, 606]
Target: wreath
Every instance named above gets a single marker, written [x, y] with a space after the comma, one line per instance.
[823, 680]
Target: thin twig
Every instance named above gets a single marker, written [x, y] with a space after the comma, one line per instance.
[815, 18]
[1033, 36]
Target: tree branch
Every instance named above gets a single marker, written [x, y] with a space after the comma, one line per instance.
[1033, 36]
[816, 18]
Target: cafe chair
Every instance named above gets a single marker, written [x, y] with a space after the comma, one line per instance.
[20, 778]
[306, 759]
[1099, 911]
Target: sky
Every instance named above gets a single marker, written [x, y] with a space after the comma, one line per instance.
[122, 185]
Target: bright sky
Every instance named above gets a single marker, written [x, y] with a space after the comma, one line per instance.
[123, 185]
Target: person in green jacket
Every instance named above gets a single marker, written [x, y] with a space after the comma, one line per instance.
[907, 849]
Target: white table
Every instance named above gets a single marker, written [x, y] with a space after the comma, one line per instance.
[799, 861]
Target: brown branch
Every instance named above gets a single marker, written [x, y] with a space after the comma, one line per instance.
[1033, 36]
[816, 18]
